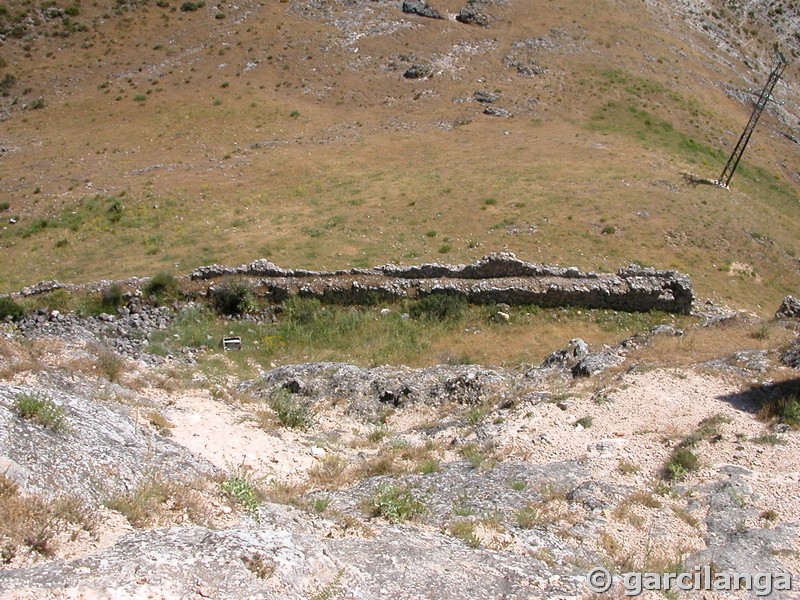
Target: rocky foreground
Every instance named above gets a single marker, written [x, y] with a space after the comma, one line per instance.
[326, 480]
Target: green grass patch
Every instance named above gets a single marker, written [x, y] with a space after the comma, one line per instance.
[628, 119]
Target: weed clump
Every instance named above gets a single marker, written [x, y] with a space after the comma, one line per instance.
[41, 410]
[395, 504]
[240, 487]
[289, 411]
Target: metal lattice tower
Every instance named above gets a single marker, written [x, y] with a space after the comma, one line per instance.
[764, 97]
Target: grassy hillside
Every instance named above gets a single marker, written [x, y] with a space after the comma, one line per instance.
[146, 135]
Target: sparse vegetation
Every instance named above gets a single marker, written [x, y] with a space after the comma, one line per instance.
[157, 500]
[584, 422]
[465, 531]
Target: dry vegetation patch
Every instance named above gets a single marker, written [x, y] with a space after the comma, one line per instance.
[31, 523]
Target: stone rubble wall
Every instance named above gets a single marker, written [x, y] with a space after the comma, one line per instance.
[497, 278]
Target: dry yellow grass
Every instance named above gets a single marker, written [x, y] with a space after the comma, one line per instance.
[256, 135]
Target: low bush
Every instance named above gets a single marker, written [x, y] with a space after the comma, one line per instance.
[111, 297]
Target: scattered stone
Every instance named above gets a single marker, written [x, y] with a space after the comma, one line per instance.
[502, 317]
[42, 287]
[496, 111]
[486, 97]
[418, 72]
[789, 308]
[791, 357]
[569, 355]
[667, 330]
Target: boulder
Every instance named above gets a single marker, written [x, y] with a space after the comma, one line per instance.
[469, 15]
[416, 7]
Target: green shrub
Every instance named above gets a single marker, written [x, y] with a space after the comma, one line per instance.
[162, 284]
[191, 6]
[439, 307]
[41, 410]
[395, 504]
[232, 299]
[10, 308]
[681, 462]
[4, 206]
